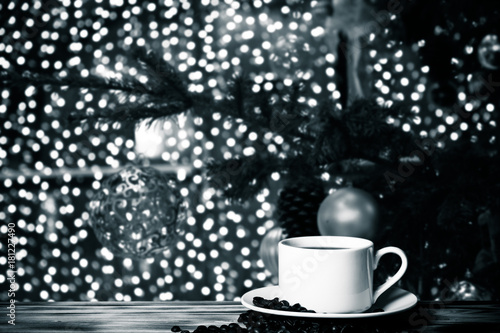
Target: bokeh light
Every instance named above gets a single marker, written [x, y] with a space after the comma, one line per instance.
[51, 167]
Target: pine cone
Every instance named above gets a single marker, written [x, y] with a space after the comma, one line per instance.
[298, 206]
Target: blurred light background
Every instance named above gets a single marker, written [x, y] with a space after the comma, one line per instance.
[50, 167]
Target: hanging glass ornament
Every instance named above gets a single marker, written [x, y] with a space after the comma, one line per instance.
[488, 52]
[465, 290]
[348, 212]
[137, 212]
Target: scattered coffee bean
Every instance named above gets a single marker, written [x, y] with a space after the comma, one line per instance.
[276, 304]
[265, 323]
[258, 322]
[231, 328]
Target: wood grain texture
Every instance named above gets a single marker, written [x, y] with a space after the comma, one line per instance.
[136, 317]
[119, 316]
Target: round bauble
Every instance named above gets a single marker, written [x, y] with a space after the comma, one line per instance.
[348, 212]
[465, 290]
[488, 52]
[138, 212]
[269, 249]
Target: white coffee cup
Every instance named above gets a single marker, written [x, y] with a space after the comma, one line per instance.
[332, 274]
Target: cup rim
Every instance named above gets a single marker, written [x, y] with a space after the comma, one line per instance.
[362, 243]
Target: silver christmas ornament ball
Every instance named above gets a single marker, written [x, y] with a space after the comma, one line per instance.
[348, 212]
[138, 212]
[488, 52]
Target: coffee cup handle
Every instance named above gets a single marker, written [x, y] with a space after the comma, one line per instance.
[396, 277]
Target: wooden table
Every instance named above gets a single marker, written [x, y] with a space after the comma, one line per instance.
[478, 317]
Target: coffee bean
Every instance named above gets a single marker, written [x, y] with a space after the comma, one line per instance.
[277, 304]
[201, 329]
[258, 322]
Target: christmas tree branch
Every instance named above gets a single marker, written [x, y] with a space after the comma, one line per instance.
[166, 80]
[135, 113]
[164, 94]
[11, 78]
[261, 112]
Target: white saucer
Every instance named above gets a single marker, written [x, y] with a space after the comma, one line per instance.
[392, 301]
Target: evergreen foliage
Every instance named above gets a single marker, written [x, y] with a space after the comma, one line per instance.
[431, 191]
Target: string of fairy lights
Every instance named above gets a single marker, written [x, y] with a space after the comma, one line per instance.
[51, 168]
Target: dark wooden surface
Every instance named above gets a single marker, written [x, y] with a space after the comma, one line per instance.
[138, 317]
